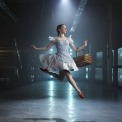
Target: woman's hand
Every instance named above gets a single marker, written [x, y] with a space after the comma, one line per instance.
[85, 43]
[33, 46]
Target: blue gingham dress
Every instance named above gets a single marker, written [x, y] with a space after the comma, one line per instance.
[61, 60]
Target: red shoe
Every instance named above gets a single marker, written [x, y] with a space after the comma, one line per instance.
[81, 95]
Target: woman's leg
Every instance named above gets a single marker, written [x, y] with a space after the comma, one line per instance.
[73, 83]
[59, 76]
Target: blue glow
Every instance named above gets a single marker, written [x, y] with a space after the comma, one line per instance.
[70, 89]
[99, 56]
[51, 85]
[120, 76]
[64, 6]
[51, 76]
[121, 54]
[51, 49]
[78, 14]
[65, 1]
[87, 76]
[70, 101]
[32, 76]
[32, 68]
[113, 56]
[87, 69]
[70, 53]
[112, 74]
[98, 73]
[87, 72]
[70, 50]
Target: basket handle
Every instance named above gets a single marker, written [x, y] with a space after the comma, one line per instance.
[77, 52]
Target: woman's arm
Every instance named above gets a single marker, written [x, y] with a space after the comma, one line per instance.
[79, 48]
[83, 46]
[43, 48]
[73, 46]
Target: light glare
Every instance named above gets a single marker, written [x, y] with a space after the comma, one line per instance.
[64, 1]
[51, 76]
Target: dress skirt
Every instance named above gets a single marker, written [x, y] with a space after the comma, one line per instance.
[52, 63]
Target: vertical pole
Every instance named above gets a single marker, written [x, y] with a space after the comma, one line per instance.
[115, 71]
[109, 46]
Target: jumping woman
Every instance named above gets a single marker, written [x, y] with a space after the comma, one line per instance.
[60, 63]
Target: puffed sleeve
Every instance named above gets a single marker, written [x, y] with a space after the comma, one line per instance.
[53, 39]
[70, 39]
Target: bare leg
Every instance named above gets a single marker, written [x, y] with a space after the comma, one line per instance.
[60, 76]
[73, 83]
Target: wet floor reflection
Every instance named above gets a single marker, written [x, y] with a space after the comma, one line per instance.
[70, 108]
[51, 98]
[51, 87]
[58, 101]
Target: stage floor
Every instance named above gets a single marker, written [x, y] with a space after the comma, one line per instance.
[54, 101]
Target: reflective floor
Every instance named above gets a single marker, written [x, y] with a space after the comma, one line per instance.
[54, 101]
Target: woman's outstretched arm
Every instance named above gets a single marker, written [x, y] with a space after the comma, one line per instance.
[83, 46]
[43, 48]
[79, 48]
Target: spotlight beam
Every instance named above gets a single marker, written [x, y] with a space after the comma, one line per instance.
[78, 14]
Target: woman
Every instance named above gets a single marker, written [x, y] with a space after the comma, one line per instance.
[61, 63]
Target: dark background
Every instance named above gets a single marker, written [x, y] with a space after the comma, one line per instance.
[32, 21]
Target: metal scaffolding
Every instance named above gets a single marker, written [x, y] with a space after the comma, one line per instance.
[7, 10]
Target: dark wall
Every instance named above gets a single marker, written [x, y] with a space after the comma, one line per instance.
[34, 23]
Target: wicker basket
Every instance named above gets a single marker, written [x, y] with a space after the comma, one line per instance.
[83, 60]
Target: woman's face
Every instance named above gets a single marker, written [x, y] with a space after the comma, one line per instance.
[63, 29]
